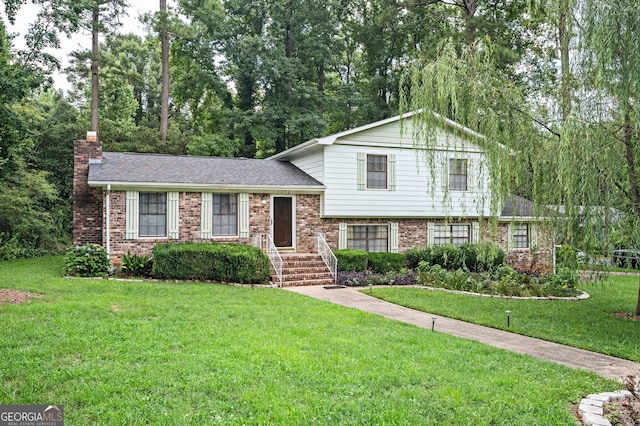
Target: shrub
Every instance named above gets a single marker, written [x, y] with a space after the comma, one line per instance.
[223, 262]
[489, 257]
[137, 265]
[563, 283]
[566, 257]
[89, 260]
[386, 262]
[416, 255]
[351, 260]
[471, 257]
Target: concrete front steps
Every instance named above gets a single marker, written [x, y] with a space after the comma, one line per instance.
[300, 269]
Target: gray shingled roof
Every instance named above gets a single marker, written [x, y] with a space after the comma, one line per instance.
[516, 206]
[176, 169]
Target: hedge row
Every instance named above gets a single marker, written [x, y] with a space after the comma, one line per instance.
[359, 260]
[470, 257]
[224, 262]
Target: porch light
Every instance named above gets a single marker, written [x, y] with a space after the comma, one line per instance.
[264, 201]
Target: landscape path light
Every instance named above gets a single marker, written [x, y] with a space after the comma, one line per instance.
[508, 318]
[433, 322]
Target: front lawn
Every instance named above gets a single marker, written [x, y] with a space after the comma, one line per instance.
[117, 352]
[587, 324]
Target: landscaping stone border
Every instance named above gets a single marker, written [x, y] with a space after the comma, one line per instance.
[582, 296]
[591, 408]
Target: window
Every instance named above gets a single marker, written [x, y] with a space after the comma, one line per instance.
[225, 214]
[152, 214]
[371, 238]
[376, 171]
[451, 234]
[521, 236]
[457, 174]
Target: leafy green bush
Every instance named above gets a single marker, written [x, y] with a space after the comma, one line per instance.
[471, 257]
[489, 257]
[566, 257]
[351, 260]
[89, 260]
[416, 255]
[223, 262]
[386, 262]
[564, 283]
[137, 265]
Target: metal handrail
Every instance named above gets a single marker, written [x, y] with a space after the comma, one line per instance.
[274, 257]
[327, 255]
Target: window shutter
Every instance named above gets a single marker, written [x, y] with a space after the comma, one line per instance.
[131, 226]
[392, 172]
[173, 215]
[471, 175]
[342, 235]
[533, 237]
[393, 237]
[205, 215]
[362, 171]
[243, 215]
[510, 237]
[445, 175]
[475, 232]
[430, 233]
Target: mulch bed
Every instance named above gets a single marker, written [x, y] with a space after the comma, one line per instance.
[624, 413]
[16, 296]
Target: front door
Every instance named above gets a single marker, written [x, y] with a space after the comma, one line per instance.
[283, 221]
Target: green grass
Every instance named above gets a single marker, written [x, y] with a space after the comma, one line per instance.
[584, 324]
[117, 352]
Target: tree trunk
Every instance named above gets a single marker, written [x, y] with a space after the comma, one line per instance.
[94, 67]
[164, 39]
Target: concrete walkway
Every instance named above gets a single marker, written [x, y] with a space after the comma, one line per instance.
[607, 366]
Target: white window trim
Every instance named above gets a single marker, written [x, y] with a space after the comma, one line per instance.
[362, 171]
[132, 216]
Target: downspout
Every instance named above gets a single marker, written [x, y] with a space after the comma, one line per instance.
[107, 222]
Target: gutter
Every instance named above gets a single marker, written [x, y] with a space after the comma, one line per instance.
[108, 221]
[198, 187]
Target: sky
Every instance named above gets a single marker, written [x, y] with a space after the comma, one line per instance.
[81, 40]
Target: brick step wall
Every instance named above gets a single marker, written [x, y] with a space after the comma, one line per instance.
[304, 269]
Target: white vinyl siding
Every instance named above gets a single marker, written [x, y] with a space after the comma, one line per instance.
[413, 189]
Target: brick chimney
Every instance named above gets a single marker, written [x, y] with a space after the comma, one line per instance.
[87, 201]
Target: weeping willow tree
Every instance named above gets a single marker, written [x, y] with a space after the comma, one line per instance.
[584, 156]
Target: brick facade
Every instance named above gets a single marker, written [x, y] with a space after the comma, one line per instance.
[87, 201]
[411, 232]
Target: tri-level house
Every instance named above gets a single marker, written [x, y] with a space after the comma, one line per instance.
[367, 188]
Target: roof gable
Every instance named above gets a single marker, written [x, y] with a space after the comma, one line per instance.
[372, 128]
